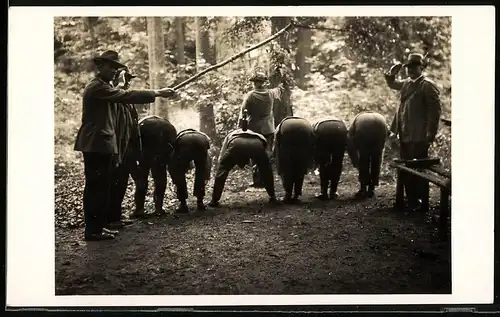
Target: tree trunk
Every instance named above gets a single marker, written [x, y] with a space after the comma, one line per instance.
[204, 56]
[281, 108]
[89, 25]
[156, 51]
[277, 23]
[179, 39]
[302, 56]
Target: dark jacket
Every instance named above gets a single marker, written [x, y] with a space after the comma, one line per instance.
[294, 141]
[100, 101]
[368, 133]
[417, 117]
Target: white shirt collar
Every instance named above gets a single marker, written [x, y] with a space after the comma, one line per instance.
[414, 80]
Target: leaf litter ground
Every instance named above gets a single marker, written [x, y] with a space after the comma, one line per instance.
[247, 246]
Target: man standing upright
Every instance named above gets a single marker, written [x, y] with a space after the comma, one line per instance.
[417, 119]
[259, 106]
[97, 138]
[129, 151]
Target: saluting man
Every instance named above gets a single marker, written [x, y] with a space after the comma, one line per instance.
[239, 147]
[416, 120]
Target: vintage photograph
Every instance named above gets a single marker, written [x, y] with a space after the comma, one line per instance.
[270, 155]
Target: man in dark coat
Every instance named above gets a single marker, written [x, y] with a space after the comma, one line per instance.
[329, 148]
[259, 105]
[129, 149]
[97, 139]
[190, 146]
[239, 147]
[365, 145]
[417, 119]
[158, 136]
[293, 148]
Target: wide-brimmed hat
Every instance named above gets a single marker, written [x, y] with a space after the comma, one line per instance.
[415, 59]
[110, 57]
[258, 76]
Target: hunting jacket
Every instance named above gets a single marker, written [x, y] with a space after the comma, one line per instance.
[417, 117]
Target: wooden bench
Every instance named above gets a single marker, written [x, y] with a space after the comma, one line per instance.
[431, 171]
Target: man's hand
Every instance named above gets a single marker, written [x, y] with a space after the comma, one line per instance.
[166, 92]
[395, 69]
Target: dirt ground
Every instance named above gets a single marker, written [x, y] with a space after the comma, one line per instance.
[247, 246]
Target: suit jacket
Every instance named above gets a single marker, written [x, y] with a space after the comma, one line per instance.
[99, 118]
[417, 117]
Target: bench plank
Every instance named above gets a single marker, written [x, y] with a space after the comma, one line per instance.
[427, 176]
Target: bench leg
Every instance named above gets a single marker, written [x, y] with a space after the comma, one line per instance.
[444, 213]
[425, 196]
[400, 191]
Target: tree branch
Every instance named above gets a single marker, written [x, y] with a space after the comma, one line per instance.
[234, 57]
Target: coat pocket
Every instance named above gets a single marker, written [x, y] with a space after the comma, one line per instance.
[106, 132]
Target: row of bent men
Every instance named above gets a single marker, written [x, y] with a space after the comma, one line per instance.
[115, 144]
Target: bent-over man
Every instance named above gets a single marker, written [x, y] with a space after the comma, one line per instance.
[190, 146]
[365, 145]
[329, 148]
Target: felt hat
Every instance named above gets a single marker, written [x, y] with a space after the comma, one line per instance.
[415, 59]
[109, 56]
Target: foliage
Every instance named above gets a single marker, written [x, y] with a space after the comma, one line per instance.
[347, 63]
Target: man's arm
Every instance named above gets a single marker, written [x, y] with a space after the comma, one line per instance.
[117, 95]
[433, 107]
[392, 82]
[390, 77]
[244, 105]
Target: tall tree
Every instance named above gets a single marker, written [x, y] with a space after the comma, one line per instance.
[156, 51]
[280, 69]
[203, 58]
[304, 41]
[179, 39]
[90, 23]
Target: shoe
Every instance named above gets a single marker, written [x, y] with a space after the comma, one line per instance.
[108, 231]
[182, 209]
[360, 194]
[287, 199]
[213, 203]
[99, 237]
[200, 206]
[333, 196]
[273, 200]
[322, 197]
[138, 214]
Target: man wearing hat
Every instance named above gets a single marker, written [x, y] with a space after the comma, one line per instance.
[97, 138]
[416, 121]
[259, 105]
[129, 152]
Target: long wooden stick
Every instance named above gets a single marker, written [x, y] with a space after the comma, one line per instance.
[213, 67]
